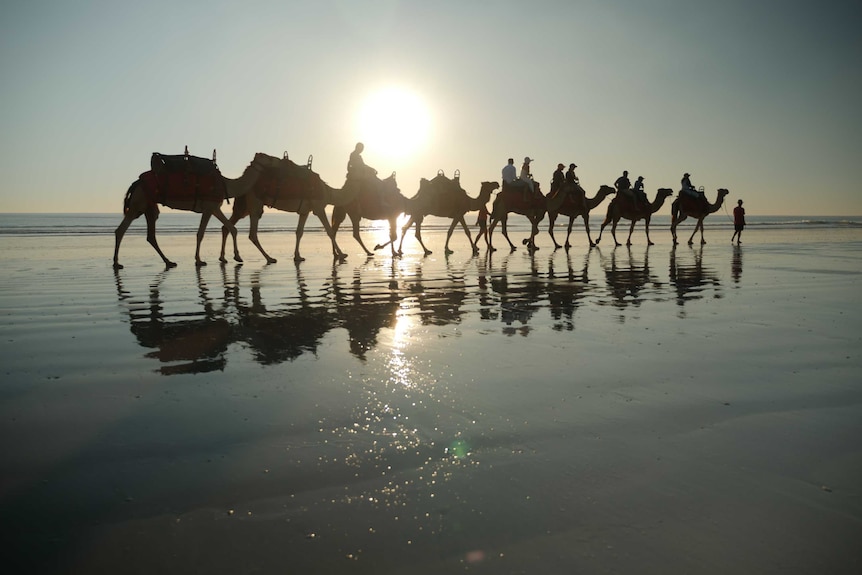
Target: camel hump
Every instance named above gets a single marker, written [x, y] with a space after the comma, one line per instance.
[183, 163]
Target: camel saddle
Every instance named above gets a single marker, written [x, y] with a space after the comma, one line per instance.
[574, 195]
[626, 202]
[183, 178]
[287, 181]
[690, 200]
[371, 191]
[519, 197]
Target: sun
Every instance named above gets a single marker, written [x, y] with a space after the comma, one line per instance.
[394, 123]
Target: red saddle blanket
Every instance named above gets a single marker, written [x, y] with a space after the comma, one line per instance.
[183, 178]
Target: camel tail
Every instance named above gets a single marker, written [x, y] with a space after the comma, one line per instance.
[674, 211]
[128, 199]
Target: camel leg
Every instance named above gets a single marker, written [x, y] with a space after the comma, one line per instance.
[253, 226]
[489, 237]
[419, 238]
[236, 216]
[506, 235]
[466, 229]
[404, 233]
[152, 215]
[552, 218]
[118, 236]
[451, 229]
[587, 228]
[205, 218]
[568, 243]
[646, 227]
[300, 229]
[393, 234]
[631, 231]
[357, 237]
[336, 251]
[699, 224]
[607, 220]
[614, 232]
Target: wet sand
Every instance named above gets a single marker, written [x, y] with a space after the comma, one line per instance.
[607, 410]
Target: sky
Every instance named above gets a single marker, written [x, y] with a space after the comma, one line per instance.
[761, 97]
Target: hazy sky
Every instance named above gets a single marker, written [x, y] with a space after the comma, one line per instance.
[760, 97]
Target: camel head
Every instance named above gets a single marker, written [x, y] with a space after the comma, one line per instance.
[723, 192]
[486, 190]
[664, 193]
[605, 191]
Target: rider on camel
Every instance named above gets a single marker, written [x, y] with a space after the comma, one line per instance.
[359, 171]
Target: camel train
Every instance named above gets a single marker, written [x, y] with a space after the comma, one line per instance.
[185, 182]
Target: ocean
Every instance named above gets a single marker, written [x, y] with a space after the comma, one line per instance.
[278, 222]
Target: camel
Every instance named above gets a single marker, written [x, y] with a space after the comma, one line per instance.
[624, 207]
[289, 188]
[573, 206]
[138, 201]
[364, 199]
[444, 198]
[511, 199]
[684, 206]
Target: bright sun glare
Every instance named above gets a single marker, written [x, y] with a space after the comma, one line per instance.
[394, 123]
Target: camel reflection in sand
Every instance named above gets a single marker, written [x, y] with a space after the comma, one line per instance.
[182, 344]
[690, 277]
[567, 292]
[628, 280]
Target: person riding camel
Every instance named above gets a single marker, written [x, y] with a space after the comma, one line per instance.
[510, 174]
[573, 183]
[624, 186]
[640, 195]
[527, 178]
[359, 171]
[571, 178]
[689, 189]
[558, 179]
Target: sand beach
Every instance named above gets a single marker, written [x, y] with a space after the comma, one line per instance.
[643, 409]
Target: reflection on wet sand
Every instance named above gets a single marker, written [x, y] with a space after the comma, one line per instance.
[566, 292]
[280, 335]
[736, 264]
[276, 314]
[363, 309]
[183, 342]
[626, 278]
[690, 277]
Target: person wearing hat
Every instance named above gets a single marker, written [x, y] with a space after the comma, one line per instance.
[558, 179]
[738, 222]
[689, 188]
[640, 195]
[527, 177]
[571, 178]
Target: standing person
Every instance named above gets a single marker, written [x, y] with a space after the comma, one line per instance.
[482, 222]
[738, 222]
[510, 173]
[558, 179]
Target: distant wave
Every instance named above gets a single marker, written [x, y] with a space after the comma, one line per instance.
[275, 222]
